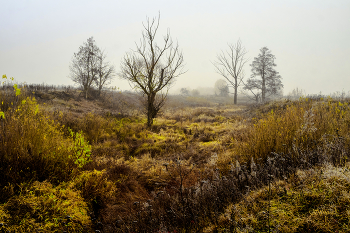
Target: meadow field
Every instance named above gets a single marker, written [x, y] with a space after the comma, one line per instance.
[70, 164]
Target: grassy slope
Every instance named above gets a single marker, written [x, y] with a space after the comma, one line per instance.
[314, 200]
[133, 163]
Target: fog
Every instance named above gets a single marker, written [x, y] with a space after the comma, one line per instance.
[310, 39]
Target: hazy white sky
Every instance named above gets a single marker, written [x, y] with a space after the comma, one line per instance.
[310, 38]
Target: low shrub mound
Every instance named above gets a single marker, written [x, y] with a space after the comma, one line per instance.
[303, 124]
[42, 207]
[193, 207]
[314, 200]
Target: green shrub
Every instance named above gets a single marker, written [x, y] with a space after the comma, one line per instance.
[34, 147]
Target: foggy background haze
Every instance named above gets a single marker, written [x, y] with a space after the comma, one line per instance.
[310, 39]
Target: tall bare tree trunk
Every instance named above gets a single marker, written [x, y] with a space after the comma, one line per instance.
[235, 94]
[149, 117]
[151, 111]
[99, 91]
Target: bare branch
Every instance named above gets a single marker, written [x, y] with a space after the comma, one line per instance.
[152, 68]
[230, 65]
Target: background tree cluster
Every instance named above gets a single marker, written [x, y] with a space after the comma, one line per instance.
[152, 68]
[265, 81]
[89, 67]
[188, 92]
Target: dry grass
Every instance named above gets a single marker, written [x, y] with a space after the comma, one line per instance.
[314, 200]
[40, 206]
[195, 165]
[301, 124]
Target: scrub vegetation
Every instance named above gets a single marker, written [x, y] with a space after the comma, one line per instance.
[71, 164]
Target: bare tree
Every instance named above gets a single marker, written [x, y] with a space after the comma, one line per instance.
[84, 65]
[105, 72]
[151, 69]
[269, 82]
[230, 65]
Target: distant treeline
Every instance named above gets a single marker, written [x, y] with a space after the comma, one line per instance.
[38, 87]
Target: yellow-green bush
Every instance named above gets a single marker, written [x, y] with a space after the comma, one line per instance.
[94, 188]
[96, 127]
[34, 147]
[42, 206]
[301, 124]
[9, 98]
